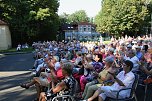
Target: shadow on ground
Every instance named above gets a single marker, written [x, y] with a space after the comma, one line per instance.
[10, 89]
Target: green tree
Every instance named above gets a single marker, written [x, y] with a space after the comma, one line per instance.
[30, 19]
[91, 20]
[121, 15]
[64, 18]
[78, 16]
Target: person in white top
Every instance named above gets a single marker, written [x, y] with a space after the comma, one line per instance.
[124, 79]
[133, 58]
[18, 47]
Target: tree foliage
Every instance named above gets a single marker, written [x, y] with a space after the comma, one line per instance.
[30, 19]
[64, 18]
[121, 15]
[78, 16]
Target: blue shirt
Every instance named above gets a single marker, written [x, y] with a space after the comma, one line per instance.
[139, 55]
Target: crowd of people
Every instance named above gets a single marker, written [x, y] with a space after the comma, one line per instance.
[66, 68]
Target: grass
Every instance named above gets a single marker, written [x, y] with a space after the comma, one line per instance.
[107, 42]
[30, 49]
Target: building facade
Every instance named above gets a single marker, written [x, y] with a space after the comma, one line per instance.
[5, 36]
[83, 31]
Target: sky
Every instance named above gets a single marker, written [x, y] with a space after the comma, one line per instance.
[92, 7]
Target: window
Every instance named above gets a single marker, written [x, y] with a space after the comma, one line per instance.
[84, 28]
[81, 28]
[89, 28]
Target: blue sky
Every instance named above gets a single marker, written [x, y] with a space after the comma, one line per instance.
[92, 7]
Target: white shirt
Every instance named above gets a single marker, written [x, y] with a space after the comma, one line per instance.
[50, 47]
[84, 50]
[57, 65]
[78, 59]
[127, 79]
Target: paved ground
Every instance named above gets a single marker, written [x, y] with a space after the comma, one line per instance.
[16, 62]
[13, 72]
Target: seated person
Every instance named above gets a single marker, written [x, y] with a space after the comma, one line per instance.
[38, 61]
[18, 47]
[44, 79]
[88, 69]
[97, 64]
[133, 58]
[91, 87]
[77, 62]
[43, 66]
[145, 67]
[146, 64]
[124, 79]
[66, 86]
[146, 71]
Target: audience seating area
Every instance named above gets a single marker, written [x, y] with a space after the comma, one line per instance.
[78, 71]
